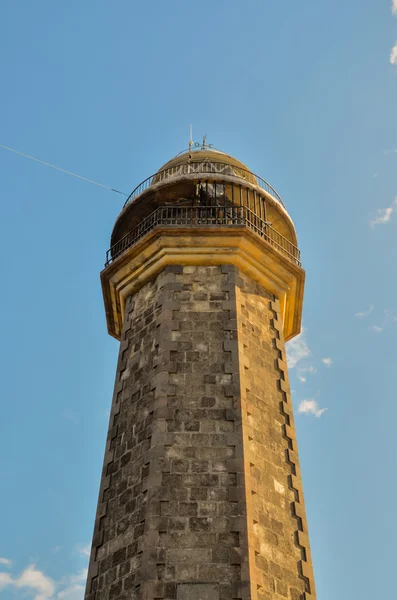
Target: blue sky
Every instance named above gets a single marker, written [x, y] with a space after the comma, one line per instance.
[306, 95]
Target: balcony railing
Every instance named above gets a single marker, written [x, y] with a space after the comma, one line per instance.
[203, 168]
[204, 216]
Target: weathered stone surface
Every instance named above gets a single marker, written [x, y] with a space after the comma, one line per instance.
[204, 591]
[201, 493]
[271, 460]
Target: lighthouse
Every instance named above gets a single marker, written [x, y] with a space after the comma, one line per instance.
[201, 493]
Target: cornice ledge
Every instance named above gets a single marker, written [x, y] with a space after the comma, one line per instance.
[240, 247]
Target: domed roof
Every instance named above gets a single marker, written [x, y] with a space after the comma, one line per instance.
[210, 156]
[177, 179]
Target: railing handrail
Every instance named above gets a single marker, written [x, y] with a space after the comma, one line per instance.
[262, 183]
[198, 216]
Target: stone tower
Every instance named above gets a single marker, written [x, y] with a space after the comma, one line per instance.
[201, 493]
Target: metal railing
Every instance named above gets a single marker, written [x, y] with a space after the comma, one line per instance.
[208, 166]
[204, 216]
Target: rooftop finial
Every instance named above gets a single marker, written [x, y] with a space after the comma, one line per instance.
[194, 146]
[203, 145]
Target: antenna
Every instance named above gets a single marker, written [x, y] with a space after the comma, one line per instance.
[190, 142]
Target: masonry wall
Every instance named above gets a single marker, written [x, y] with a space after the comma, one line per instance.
[277, 529]
[200, 496]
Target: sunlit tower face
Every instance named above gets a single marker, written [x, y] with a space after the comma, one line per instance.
[201, 494]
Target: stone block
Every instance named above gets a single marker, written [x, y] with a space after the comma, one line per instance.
[191, 555]
[307, 570]
[198, 591]
[152, 589]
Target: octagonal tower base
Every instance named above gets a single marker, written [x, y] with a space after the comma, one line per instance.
[201, 494]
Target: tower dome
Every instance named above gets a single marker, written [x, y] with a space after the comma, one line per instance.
[196, 176]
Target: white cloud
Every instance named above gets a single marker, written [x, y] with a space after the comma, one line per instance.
[297, 349]
[75, 586]
[42, 586]
[388, 318]
[384, 214]
[393, 55]
[73, 592]
[310, 369]
[302, 371]
[80, 577]
[311, 407]
[327, 361]
[5, 579]
[376, 328]
[366, 313]
[394, 7]
[37, 581]
[6, 562]
[84, 550]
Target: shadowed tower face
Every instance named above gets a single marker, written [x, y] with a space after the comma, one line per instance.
[201, 493]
